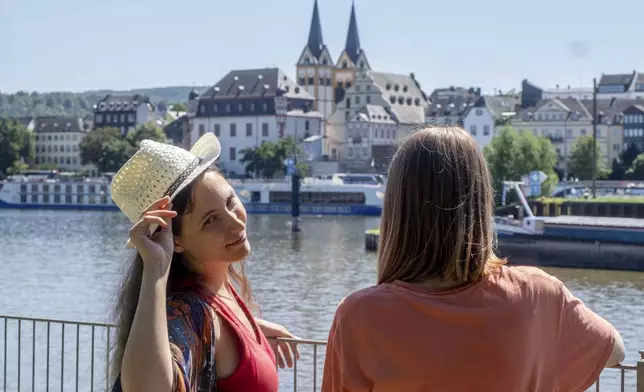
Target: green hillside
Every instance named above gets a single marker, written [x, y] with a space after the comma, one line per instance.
[34, 103]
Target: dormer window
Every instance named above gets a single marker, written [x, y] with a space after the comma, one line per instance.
[307, 61]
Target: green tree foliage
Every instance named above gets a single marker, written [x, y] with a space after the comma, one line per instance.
[580, 162]
[267, 159]
[636, 171]
[146, 131]
[625, 162]
[22, 103]
[17, 145]
[109, 150]
[179, 107]
[512, 155]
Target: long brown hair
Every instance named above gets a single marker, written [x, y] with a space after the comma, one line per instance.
[438, 212]
[180, 271]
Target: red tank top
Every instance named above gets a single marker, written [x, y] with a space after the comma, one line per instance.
[257, 369]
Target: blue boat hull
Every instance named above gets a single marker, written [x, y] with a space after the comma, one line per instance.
[251, 208]
[313, 209]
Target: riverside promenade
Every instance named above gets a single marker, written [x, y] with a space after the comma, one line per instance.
[60, 355]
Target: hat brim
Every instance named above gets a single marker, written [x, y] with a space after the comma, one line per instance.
[208, 149]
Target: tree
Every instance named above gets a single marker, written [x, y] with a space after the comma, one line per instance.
[106, 148]
[581, 160]
[16, 145]
[148, 130]
[636, 171]
[179, 107]
[512, 155]
[267, 159]
[109, 150]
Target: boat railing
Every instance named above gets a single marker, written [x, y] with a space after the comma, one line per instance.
[40, 354]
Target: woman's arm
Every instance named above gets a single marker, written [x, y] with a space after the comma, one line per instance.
[284, 351]
[147, 360]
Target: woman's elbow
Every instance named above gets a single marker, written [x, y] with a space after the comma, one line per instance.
[618, 353]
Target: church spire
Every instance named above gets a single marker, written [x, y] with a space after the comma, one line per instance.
[316, 43]
[352, 47]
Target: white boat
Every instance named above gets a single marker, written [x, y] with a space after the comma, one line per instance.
[56, 193]
[339, 194]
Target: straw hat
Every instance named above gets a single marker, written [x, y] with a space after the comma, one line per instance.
[159, 170]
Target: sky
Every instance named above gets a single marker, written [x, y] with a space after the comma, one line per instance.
[78, 45]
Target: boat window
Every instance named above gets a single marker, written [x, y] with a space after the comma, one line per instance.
[320, 197]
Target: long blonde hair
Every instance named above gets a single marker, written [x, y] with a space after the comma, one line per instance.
[180, 271]
[438, 212]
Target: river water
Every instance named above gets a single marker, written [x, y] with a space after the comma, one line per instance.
[66, 265]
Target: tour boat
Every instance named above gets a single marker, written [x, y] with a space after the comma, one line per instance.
[338, 194]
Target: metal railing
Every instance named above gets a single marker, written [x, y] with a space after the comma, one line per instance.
[59, 355]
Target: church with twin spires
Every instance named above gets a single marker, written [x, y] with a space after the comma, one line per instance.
[327, 80]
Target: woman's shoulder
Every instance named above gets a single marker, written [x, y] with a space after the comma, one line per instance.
[360, 300]
[532, 278]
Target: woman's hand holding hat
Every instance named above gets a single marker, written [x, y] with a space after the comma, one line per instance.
[155, 250]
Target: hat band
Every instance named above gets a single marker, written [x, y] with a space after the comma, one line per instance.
[182, 177]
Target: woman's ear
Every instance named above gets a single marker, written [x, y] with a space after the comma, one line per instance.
[177, 246]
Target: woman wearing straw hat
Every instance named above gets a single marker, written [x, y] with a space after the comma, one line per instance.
[182, 324]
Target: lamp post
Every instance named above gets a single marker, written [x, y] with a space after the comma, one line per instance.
[295, 180]
[594, 138]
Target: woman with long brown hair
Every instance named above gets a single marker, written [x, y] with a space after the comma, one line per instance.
[182, 324]
[447, 314]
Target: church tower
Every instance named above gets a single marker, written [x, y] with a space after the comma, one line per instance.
[315, 68]
[352, 61]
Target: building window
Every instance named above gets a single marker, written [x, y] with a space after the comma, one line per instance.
[486, 130]
[368, 99]
[227, 108]
[233, 130]
[233, 154]
[215, 108]
[217, 130]
[357, 100]
[265, 107]
[345, 64]
[202, 129]
[265, 129]
[249, 129]
[311, 81]
[252, 106]
[473, 130]
[302, 80]
[348, 103]
[307, 126]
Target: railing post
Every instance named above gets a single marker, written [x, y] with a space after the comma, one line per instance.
[640, 372]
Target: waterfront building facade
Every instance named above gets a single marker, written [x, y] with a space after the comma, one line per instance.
[123, 112]
[248, 107]
[488, 114]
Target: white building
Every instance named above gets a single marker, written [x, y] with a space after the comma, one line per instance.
[489, 110]
[57, 142]
[123, 112]
[564, 121]
[243, 110]
[395, 100]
